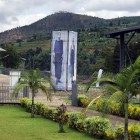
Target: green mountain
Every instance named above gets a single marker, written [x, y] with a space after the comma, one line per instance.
[43, 27]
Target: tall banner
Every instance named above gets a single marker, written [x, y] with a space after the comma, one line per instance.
[63, 59]
[72, 59]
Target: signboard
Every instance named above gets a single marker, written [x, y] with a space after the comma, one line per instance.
[63, 59]
[72, 59]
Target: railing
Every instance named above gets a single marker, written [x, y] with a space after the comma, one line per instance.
[90, 93]
[135, 100]
[6, 95]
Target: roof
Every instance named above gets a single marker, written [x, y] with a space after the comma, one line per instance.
[123, 31]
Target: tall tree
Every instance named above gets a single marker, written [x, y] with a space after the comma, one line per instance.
[33, 80]
[13, 58]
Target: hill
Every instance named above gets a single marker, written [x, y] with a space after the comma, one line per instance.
[62, 21]
[43, 27]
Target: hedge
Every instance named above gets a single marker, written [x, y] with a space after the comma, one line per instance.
[134, 132]
[41, 109]
[94, 126]
[112, 107]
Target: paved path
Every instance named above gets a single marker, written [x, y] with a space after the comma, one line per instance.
[57, 101]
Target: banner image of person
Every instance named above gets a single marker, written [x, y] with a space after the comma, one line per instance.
[72, 59]
[59, 59]
[63, 59]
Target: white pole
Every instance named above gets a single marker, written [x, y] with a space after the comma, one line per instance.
[99, 76]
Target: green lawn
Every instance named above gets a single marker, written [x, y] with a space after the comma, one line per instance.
[16, 124]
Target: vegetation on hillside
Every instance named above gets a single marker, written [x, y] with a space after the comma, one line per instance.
[95, 51]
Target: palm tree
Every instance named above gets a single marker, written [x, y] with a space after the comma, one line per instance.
[33, 80]
[122, 87]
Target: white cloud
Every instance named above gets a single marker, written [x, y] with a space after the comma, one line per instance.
[113, 5]
[13, 22]
[15, 13]
[28, 19]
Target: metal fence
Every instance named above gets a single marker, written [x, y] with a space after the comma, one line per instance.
[91, 92]
[135, 100]
[97, 91]
[6, 95]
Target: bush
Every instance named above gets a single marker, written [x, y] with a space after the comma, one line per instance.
[133, 132]
[75, 120]
[49, 112]
[115, 108]
[119, 133]
[110, 134]
[82, 100]
[41, 109]
[37, 108]
[96, 126]
[134, 112]
[110, 106]
[23, 101]
[28, 105]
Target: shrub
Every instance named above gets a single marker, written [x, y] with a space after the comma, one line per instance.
[137, 113]
[115, 108]
[50, 113]
[22, 101]
[82, 100]
[109, 134]
[61, 117]
[133, 132]
[119, 133]
[112, 107]
[25, 102]
[98, 104]
[134, 112]
[37, 108]
[75, 120]
[96, 126]
[28, 104]
[43, 108]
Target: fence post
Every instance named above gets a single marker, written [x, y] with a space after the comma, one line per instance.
[26, 92]
[74, 94]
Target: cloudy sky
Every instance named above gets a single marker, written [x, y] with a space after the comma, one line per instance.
[14, 13]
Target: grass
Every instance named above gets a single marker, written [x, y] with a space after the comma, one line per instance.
[44, 44]
[16, 124]
[93, 107]
[66, 100]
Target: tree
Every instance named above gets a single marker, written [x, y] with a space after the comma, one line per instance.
[123, 87]
[35, 82]
[61, 117]
[19, 42]
[13, 59]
